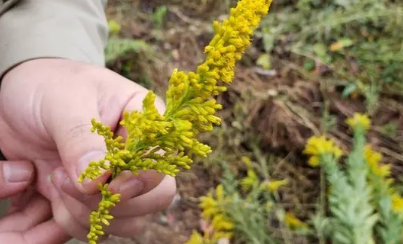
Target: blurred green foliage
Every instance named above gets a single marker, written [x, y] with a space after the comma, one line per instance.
[361, 41]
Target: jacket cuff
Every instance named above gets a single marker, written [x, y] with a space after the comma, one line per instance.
[70, 29]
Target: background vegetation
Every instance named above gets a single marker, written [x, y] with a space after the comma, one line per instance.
[313, 64]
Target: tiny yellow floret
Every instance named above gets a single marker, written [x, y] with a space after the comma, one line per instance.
[374, 159]
[318, 146]
[359, 120]
[293, 222]
[274, 185]
[250, 180]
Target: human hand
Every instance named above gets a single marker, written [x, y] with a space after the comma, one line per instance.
[46, 107]
[27, 222]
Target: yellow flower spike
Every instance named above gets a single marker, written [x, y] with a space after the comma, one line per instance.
[374, 159]
[162, 142]
[250, 180]
[397, 204]
[213, 210]
[359, 120]
[219, 192]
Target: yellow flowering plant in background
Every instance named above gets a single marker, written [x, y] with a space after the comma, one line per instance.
[364, 207]
[362, 201]
[386, 199]
[240, 208]
[165, 142]
[213, 208]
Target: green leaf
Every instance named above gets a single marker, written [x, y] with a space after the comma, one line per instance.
[117, 47]
[159, 15]
[341, 44]
[390, 129]
[320, 50]
[348, 90]
[309, 64]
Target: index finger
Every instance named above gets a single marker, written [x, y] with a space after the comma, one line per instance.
[45, 233]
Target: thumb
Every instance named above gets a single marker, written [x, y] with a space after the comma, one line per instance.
[15, 177]
[70, 128]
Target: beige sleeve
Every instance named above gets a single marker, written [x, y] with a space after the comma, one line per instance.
[71, 29]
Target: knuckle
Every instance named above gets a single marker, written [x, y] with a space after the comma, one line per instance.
[76, 132]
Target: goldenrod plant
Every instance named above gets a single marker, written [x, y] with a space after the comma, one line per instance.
[214, 211]
[190, 110]
[387, 201]
[362, 209]
[241, 209]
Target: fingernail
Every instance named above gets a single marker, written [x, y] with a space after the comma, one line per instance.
[52, 180]
[17, 172]
[67, 184]
[68, 187]
[87, 159]
[131, 188]
[57, 178]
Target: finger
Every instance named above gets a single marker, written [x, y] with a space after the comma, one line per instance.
[67, 222]
[15, 177]
[157, 199]
[97, 97]
[45, 233]
[127, 184]
[128, 227]
[121, 227]
[35, 212]
[20, 200]
[77, 145]
[76, 208]
[63, 217]
[64, 184]
[147, 180]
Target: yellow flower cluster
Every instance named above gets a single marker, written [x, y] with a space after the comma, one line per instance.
[274, 185]
[359, 120]
[373, 160]
[397, 204]
[319, 146]
[213, 210]
[102, 215]
[251, 180]
[293, 222]
[162, 142]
